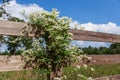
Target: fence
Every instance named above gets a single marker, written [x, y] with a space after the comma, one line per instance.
[16, 29]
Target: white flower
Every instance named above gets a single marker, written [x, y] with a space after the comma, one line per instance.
[71, 34]
[59, 37]
[57, 78]
[90, 78]
[92, 69]
[79, 58]
[78, 67]
[80, 75]
[85, 66]
[65, 77]
[89, 58]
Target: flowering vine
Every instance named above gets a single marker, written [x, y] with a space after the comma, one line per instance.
[52, 51]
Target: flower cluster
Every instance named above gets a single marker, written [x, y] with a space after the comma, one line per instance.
[52, 51]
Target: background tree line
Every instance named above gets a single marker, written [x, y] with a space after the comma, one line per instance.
[114, 48]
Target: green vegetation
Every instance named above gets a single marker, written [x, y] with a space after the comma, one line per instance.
[19, 75]
[106, 69]
[0, 14]
[49, 53]
[113, 49]
[100, 70]
[52, 52]
[15, 19]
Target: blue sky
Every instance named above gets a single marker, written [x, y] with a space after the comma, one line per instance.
[95, 11]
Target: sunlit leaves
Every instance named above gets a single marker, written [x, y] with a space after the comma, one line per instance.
[54, 51]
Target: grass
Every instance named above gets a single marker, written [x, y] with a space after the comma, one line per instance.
[104, 70]
[19, 75]
[100, 70]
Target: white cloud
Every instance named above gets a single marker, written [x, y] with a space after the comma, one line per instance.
[106, 28]
[17, 10]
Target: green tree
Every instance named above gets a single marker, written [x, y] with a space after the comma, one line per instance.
[15, 19]
[52, 51]
[115, 47]
[96, 51]
[4, 1]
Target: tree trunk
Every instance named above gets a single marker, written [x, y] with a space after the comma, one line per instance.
[56, 72]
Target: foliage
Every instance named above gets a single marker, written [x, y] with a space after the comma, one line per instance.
[0, 14]
[52, 51]
[99, 71]
[11, 47]
[113, 49]
[1, 40]
[2, 11]
[105, 70]
[15, 19]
